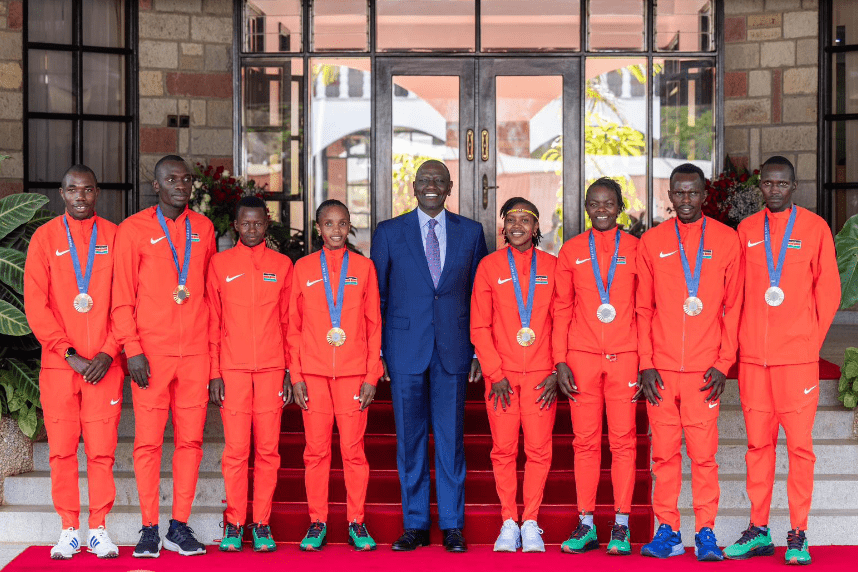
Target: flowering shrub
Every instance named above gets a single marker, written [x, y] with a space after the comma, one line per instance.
[733, 196]
[216, 194]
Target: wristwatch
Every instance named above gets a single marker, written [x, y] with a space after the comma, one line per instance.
[69, 353]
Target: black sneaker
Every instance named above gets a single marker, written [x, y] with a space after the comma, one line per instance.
[150, 543]
[180, 538]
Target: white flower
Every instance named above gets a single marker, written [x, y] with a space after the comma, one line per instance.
[204, 208]
[225, 173]
[193, 194]
[207, 199]
[198, 184]
[196, 208]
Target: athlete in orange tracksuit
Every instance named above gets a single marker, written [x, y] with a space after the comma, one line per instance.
[162, 322]
[685, 353]
[779, 352]
[335, 355]
[601, 351]
[248, 296]
[518, 372]
[80, 382]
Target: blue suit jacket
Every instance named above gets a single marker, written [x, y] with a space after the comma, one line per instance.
[416, 315]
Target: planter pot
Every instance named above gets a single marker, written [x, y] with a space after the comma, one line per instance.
[16, 451]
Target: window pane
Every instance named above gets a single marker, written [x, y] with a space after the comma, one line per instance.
[425, 126]
[103, 84]
[616, 25]
[845, 206]
[272, 26]
[340, 141]
[104, 150]
[50, 81]
[685, 26]
[525, 25]
[425, 25]
[49, 21]
[104, 23]
[615, 132]
[683, 122]
[340, 25]
[50, 149]
[844, 153]
[844, 82]
[844, 29]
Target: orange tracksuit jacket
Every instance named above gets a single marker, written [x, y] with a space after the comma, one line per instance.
[494, 323]
[779, 353]
[603, 359]
[248, 296]
[71, 405]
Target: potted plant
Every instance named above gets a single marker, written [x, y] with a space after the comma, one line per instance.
[846, 244]
[733, 195]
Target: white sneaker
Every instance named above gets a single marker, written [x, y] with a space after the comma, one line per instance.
[509, 539]
[99, 543]
[68, 545]
[531, 537]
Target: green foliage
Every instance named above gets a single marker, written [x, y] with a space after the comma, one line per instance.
[404, 172]
[848, 387]
[846, 244]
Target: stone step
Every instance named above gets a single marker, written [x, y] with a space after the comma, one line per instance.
[829, 492]
[33, 488]
[827, 393]
[833, 457]
[832, 422]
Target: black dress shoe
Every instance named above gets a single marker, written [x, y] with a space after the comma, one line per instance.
[454, 541]
[411, 539]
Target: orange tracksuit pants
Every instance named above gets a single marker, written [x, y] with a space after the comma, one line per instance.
[684, 409]
[522, 412]
[73, 407]
[331, 398]
[178, 385]
[605, 382]
[251, 399]
[785, 395]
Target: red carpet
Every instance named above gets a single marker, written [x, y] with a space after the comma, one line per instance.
[430, 559]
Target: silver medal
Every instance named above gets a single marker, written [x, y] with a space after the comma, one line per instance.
[606, 313]
[774, 296]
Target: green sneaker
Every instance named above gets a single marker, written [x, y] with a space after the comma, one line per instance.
[797, 552]
[620, 543]
[262, 541]
[754, 542]
[231, 541]
[360, 538]
[316, 537]
[582, 540]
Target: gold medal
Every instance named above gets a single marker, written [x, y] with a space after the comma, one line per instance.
[336, 337]
[83, 303]
[181, 294]
[525, 337]
[692, 306]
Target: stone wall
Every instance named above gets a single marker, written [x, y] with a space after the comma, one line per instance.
[770, 85]
[11, 97]
[185, 57]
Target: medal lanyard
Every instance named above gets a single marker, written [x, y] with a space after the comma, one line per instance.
[183, 271]
[524, 312]
[691, 282]
[604, 291]
[775, 273]
[82, 279]
[335, 310]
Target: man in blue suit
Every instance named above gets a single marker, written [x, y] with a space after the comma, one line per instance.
[426, 261]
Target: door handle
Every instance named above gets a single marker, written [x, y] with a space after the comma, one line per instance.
[484, 145]
[486, 188]
[469, 145]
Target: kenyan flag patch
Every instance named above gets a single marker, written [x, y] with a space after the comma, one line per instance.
[195, 237]
[621, 260]
[351, 281]
[793, 243]
[707, 254]
[542, 279]
[268, 277]
[101, 249]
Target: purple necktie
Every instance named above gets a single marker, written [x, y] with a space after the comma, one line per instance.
[433, 252]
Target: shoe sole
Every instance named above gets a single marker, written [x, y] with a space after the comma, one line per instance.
[672, 554]
[617, 552]
[534, 549]
[761, 551]
[416, 546]
[313, 548]
[367, 548]
[106, 556]
[265, 549]
[794, 561]
[136, 554]
[59, 556]
[173, 547]
[229, 549]
[592, 545]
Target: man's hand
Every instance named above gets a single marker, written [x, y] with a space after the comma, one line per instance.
[78, 363]
[386, 376]
[98, 366]
[476, 374]
[367, 394]
[648, 379]
[566, 381]
[138, 369]
[549, 391]
[299, 393]
[502, 390]
[217, 391]
[287, 388]
[716, 381]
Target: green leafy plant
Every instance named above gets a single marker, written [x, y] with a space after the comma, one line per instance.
[847, 390]
[20, 216]
[846, 244]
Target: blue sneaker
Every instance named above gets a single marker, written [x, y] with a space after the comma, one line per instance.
[706, 547]
[665, 543]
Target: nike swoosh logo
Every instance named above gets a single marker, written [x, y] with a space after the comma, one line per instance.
[504, 280]
[713, 404]
[114, 401]
[663, 255]
[231, 278]
[577, 261]
[753, 244]
[313, 282]
[280, 394]
[632, 383]
[61, 253]
[806, 390]
[157, 240]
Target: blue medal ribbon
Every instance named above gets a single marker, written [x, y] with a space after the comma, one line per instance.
[775, 273]
[691, 282]
[524, 312]
[604, 291]
[183, 271]
[82, 279]
[335, 310]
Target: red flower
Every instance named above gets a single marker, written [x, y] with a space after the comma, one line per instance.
[743, 178]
